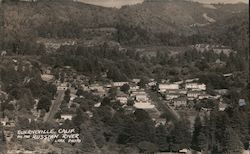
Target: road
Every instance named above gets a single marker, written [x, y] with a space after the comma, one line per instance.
[162, 105]
[55, 106]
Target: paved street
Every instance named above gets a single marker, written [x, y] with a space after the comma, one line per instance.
[55, 106]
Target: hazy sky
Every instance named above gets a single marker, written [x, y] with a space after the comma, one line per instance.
[120, 3]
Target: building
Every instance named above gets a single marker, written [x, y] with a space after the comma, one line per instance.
[66, 116]
[136, 81]
[242, 102]
[141, 98]
[164, 87]
[134, 88]
[172, 96]
[180, 102]
[119, 84]
[138, 92]
[122, 98]
[177, 91]
[144, 105]
[193, 95]
[195, 86]
[203, 96]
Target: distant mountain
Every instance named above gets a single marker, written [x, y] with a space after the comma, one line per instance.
[68, 19]
[175, 15]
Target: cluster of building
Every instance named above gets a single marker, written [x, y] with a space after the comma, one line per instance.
[179, 93]
[215, 48]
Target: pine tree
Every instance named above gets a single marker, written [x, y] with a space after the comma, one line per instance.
[233, 144]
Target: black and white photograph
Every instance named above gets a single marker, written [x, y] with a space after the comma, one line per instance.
[124, 77]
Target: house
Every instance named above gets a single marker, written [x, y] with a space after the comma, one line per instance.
[172, 96]
[138, 92]
[242, 102]
[203, 96]
[136, 81]
[182, 101]
[193, 95]
[47, 77]
[66, 116]
[164, 87]
[122, 98]
[152, 83]
[134, 88]
[191, 80]
[119, 84]
[177, 91]
[195, 86]
[141, 98]
[144, 105]
[221, 91]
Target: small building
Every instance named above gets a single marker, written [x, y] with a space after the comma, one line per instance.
[119, 84]
[193, 95]
[221, 91]
[152, 83]
[203, 96]
[172, 96]
[136, 81]
[195, 86]
[122, 98]
[144, 105]
[134, 88]
[180, 102]
[164, 87]
[138, 92]
[141, 98]
[242, 102]
[66, 116]
[177, 91]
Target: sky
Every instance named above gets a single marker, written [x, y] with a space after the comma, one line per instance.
[120, 3]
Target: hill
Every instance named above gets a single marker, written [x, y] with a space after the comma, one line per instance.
[146, 23]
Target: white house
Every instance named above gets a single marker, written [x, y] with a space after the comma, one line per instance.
[203, 96]
[177, 91]
[141, 98]
[164, 87]
[195, 86]
[119, 84]
[66, 116]
[138, 92]
[134, 88]
[172, 96]
[136, 80]
[193, 95]
[180, 102]
[122, 98]
[141, 105]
